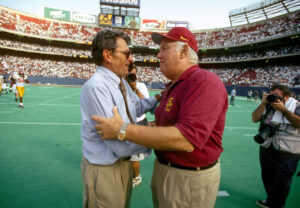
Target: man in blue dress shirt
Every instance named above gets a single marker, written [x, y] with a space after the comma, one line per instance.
[106, 169]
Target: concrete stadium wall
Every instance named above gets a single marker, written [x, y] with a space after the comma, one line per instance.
[55, 80]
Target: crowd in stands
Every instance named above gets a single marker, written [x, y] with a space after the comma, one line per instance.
[251, 55]
[43, 48]
[41, 27]
[151, 57]
[249, 33]
[26, 24]
[239, 77]
[63, 51]
[259, 77]
[46, 68]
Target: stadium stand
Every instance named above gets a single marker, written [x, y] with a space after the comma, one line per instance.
[11, 20]
[59, 49]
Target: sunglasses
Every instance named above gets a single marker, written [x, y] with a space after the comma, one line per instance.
[126, 53]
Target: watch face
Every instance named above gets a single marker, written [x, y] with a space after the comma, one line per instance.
[121, 136]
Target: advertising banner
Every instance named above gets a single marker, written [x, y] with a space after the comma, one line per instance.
[132, 22]
[105, 20]
[118, 21]
[153, 24]
[135, 3]
[171, 24]
[84, 18]
[57, 14]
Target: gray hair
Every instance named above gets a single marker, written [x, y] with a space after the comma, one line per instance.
[193, 57]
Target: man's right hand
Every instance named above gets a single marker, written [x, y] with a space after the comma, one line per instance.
[264, 98]
[108, 128]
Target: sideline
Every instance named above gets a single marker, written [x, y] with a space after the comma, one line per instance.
[36, 123]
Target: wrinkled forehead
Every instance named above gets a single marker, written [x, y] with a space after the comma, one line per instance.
[121, 44]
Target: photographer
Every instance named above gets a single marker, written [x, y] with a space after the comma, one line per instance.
[279, 119]
[141, 90]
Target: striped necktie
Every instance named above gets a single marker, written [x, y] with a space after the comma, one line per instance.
[123, 91]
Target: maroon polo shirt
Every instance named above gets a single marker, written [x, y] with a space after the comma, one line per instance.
[196, 105]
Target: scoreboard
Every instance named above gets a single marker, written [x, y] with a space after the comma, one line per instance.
[120, 13]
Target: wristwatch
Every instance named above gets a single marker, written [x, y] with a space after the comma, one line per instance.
[122, 133]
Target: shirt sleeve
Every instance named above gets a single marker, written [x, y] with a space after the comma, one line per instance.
[141, 105]
[200, 109]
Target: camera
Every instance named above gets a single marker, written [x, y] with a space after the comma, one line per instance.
[131, 66]
[274, 98]
[265, 131]
[131, 77]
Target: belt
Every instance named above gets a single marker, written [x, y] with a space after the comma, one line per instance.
[187, 168]
[125, 158]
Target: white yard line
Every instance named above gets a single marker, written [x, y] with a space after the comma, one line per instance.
[38, 123]
[6, 112]
[41, 104]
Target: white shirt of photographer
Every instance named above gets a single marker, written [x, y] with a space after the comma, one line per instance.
[279, 118]
[144, 90]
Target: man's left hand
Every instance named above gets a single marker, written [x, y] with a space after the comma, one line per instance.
[109, 128]
[278, 105]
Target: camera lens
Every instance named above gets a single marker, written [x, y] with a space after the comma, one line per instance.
[259, 139]
[274, 98]
[131, 77]
[271, 98]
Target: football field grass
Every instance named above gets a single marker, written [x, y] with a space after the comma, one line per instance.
[40, 154]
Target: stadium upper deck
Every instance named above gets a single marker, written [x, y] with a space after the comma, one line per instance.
[26, 24]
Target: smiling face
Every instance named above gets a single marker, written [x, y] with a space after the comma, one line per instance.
[121, 58]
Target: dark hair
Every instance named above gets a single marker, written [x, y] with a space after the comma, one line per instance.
[285, 90]
[106, 40]
[134, 67]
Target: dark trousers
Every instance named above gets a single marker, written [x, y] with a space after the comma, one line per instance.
[232, 100]
[277, 170]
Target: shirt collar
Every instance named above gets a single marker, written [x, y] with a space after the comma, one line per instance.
[109, 75]
[183, 76]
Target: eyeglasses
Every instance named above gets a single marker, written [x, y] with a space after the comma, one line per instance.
[126, 53]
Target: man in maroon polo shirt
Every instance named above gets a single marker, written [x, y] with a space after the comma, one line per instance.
[189, 121]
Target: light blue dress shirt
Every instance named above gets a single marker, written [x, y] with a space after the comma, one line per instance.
[98, 97]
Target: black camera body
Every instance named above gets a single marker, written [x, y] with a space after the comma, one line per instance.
[265, 131]
[131, 77]
[274, 98]
[267, 128]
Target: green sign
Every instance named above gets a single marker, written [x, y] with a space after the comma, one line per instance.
[57, 14]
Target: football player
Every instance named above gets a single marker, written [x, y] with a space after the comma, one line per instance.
[13, 85]
[21, 79]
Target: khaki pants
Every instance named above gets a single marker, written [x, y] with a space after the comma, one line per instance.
[173, 187]
[106, 186]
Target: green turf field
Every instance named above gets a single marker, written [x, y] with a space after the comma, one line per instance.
[40, 154]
